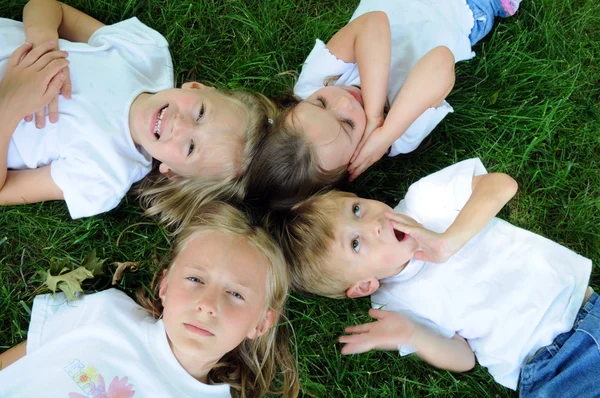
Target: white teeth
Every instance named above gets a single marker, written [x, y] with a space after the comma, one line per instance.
[159, 121]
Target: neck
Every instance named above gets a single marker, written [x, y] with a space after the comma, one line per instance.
[198, 368]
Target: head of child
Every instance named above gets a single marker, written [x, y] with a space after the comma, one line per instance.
[339, 245]
[204, 140]
[311, 144]
[220, 297]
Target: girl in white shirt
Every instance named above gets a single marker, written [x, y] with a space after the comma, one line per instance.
[207, 329]
[118, 111]
[398, 52]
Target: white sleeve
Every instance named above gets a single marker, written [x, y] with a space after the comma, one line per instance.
[447, 189]
[88, 188]
[53, 316]
[319, 65]
[140, 46]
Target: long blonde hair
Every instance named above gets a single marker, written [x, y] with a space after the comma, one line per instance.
[174, 200]
[255, 364]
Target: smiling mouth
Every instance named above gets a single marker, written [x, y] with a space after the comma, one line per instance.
[158, 123]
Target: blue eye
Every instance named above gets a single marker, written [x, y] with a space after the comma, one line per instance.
[201, 113]
[194, 279]
[236, 295]
[356, 210]
[356, 245]
[191, 149]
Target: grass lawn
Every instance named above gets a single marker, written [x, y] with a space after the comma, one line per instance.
[527, 105]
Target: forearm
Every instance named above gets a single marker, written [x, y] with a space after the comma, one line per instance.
[373, 52]
[41, 20]
[428, 83]
[8, 125]
[453, 354]
[490, 194]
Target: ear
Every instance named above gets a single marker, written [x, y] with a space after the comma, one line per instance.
[363, 288]
[166, 171]
[163, 285]
[266, 324]
[196, 86]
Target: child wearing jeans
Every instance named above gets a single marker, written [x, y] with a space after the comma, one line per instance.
[398, 53]
[451, 282]
[208, 327]
[119, 111]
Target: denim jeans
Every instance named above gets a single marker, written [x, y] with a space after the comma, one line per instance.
[570, 366]
[484, 12]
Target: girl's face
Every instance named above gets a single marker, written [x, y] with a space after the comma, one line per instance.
[192, 131]
[333, 120]
[214, 296]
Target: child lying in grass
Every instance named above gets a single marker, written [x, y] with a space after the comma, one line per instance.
[451, 282]
[123, 112]
[208, 326]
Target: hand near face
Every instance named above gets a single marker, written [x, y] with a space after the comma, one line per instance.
[389, 330]
[435, 248]
[32, 78]
[375, 146]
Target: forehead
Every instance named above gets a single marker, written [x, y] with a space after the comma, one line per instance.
[226, 115]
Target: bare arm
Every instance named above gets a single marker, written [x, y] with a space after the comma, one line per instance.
[367, 41]
[29, 186]
[392, 329]
[49, 19]
[12, 355]
[490, 192]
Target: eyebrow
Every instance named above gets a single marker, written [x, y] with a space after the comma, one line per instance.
[191, 266]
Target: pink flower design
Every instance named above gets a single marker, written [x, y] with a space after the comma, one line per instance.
[120, 388]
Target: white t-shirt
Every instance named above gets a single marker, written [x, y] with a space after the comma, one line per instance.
[93, 158]
[508, 291]
[417, 26]
[102, 342]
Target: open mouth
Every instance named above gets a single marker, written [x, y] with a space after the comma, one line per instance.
[158, 123]
[399, 235]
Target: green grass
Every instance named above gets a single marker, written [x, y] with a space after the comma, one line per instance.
[528, 105]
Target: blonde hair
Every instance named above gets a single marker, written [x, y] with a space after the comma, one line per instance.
[306, 235]
[174, 200]
[252, 367]
[286, 169]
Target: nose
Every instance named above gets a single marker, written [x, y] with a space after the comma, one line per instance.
[373, 227]
[183, 126]
[343, 103]
[208, 302]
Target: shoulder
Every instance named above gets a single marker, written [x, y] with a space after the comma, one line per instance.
[132, 30]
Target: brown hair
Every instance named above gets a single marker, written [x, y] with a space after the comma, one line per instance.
[285, 168]
[255, 364]
[306, 235]
[174, 200]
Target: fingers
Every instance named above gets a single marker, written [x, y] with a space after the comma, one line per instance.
[32, 56]
[402, 219]
[362, 328]
[28, 118]
[356, 344]
[66, 88]
[40, 117]
[51, 58]
[53, 109]
[53, 88]
[359, 147]
[17, 56]
[378, 314]
[358, 170]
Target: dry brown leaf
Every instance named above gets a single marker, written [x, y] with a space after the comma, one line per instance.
[132, 265]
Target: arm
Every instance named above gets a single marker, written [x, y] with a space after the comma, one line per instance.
[47, 20]
[29, 186]
[428, 83]
[490, 192]
[12, 355]
[391, 330]
[367, 41]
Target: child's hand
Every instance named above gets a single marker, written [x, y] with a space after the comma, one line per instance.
[388, 331]
[32, 78]
[373, 149]
[65, 90]
[435, 248]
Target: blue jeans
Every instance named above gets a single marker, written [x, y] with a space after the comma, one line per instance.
[484, 12]
[570, 366]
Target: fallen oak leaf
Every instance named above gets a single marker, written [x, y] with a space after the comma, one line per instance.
[69, 282]
[132, 265]
[93, 264]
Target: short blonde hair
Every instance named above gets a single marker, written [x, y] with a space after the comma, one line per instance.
[174, 200]
[306, 236]
[255, 364]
